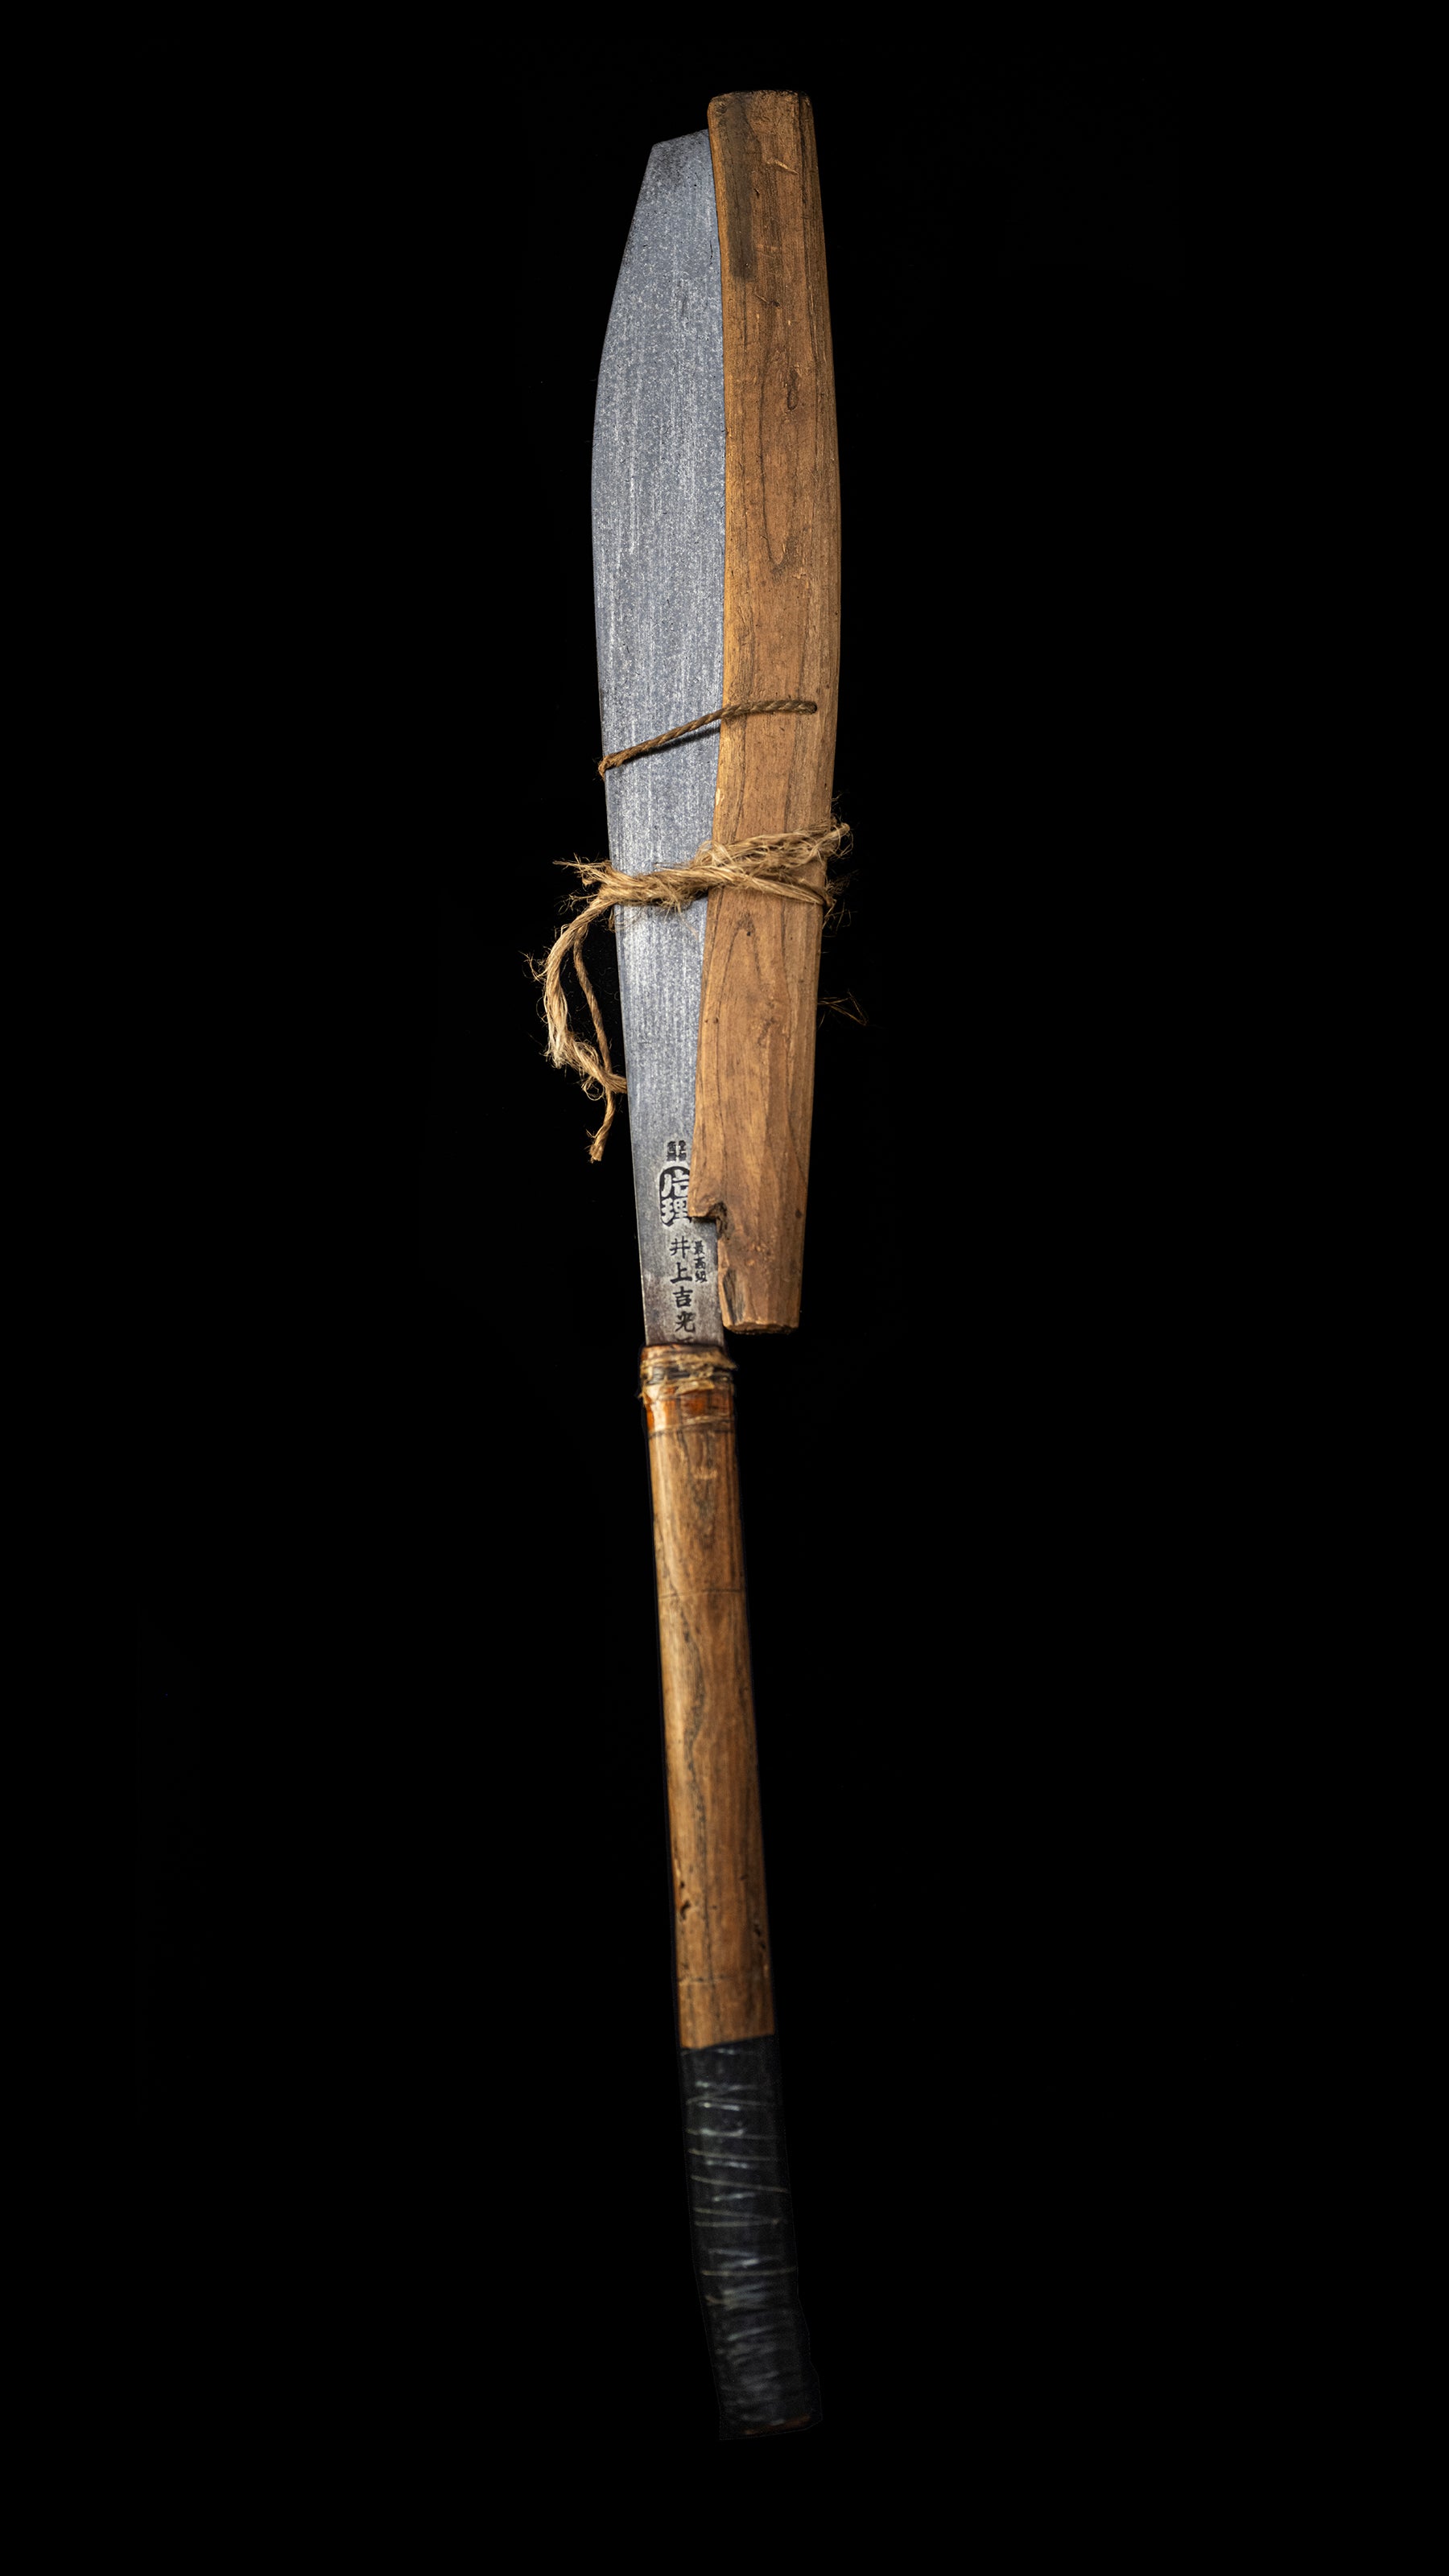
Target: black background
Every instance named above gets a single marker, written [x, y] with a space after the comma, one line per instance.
[407, 2084]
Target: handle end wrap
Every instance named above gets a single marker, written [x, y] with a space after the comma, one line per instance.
[744, 2238]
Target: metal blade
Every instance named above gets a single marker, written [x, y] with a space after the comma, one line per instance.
[659, 553]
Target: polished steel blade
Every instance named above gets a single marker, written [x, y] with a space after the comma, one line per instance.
[659, 549]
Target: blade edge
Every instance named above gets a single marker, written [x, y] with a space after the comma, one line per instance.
[659, 544]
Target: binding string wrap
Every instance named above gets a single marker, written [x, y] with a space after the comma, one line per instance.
[774, 863]
[717, 715]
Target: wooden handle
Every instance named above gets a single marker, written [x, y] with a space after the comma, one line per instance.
[737, 2172]
[755, 1080]
[721, 1937]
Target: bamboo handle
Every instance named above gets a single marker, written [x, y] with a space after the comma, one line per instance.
[744, 2243]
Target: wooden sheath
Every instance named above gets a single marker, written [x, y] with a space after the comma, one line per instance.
[755, 1079]
[721, 1933]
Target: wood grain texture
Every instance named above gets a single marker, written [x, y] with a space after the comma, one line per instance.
[721, 1935]
[756, 1068]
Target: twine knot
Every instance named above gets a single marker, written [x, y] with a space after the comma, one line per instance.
[774, 863]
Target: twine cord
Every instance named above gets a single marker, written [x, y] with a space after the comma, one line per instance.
[773, 863]
[717, 715]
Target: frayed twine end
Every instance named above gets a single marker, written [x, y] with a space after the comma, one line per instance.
[773, 863]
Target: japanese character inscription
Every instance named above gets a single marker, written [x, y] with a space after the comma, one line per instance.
[686, 1250]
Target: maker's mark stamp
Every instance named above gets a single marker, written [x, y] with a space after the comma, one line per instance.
[686, 1249]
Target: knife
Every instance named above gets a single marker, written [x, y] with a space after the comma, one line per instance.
[716, 539]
